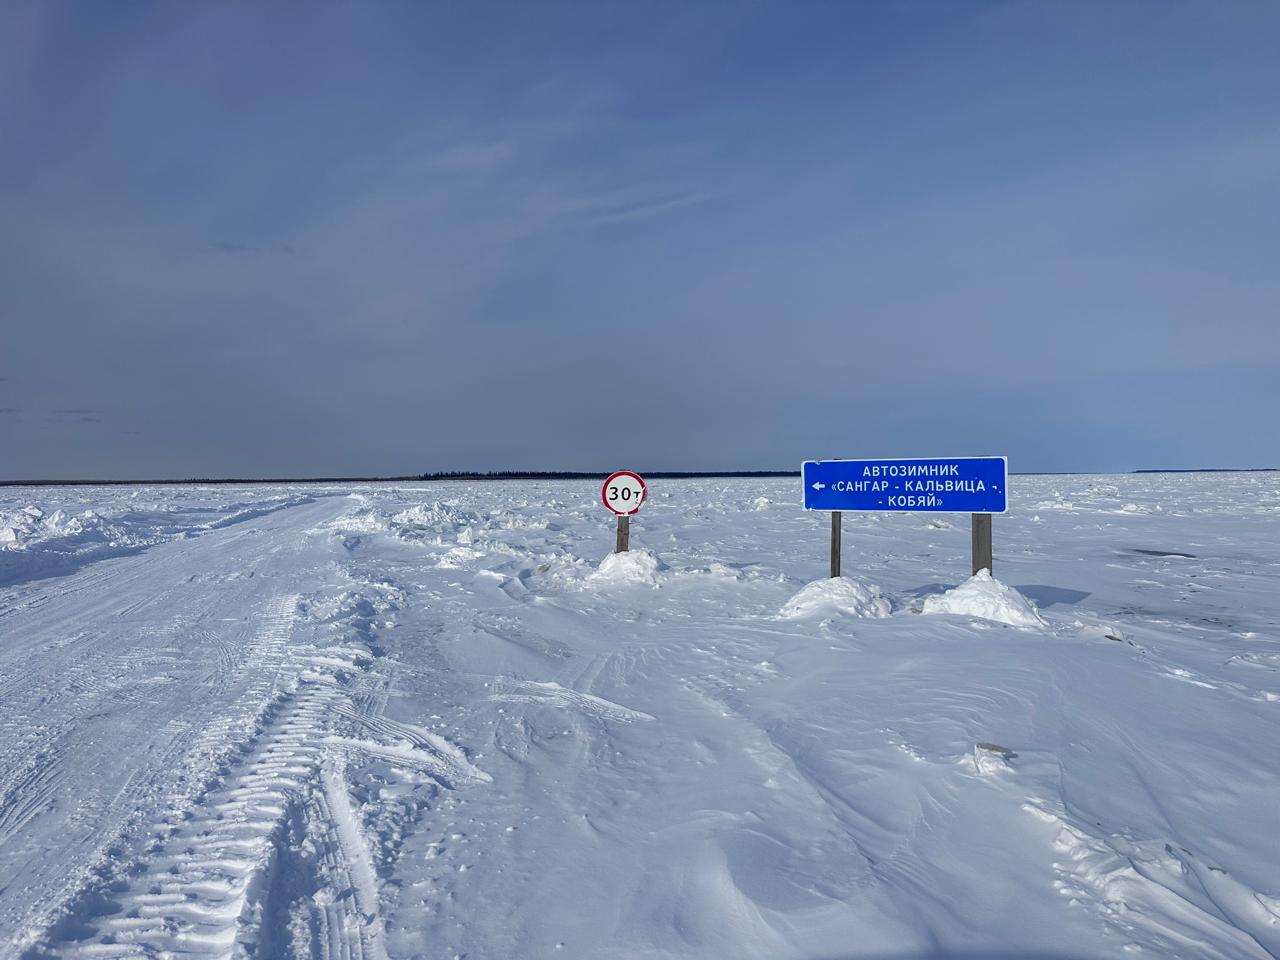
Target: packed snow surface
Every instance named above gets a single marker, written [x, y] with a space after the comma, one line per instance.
[442, 720]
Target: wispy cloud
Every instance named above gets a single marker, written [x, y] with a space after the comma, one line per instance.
[474, 158]
[280, 264]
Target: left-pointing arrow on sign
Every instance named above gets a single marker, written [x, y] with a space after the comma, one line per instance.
[819, 486]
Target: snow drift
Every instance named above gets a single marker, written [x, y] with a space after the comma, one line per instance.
[985, 597]
[632, 567]
[834, 596]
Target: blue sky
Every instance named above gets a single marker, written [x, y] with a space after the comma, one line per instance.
[287, 238]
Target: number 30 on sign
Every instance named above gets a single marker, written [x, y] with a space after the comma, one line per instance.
[623, 492]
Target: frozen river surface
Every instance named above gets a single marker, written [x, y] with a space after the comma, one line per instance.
[426, 721]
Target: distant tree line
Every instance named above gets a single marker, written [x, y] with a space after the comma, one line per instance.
[1214, 470]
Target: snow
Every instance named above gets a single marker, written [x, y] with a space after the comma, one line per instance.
[35, 542]
[435, 720]
[632, 567]
[986, 598]
[835, 596]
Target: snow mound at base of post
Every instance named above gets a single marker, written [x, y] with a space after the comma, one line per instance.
[985, 597]
[632, 567]
[834, 596]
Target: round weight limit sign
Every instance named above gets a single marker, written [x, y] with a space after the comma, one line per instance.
[623, 493]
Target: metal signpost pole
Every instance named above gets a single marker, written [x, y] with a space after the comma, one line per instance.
[982, 542]
[624, 534]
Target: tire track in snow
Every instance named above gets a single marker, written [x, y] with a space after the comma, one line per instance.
[110, 722]
[205, 881]
[347, 926]
[101, 816]
[273, 852]
[27, 793]
[175, 782]
[275, 849]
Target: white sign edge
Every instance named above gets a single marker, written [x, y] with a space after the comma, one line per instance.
[1005, 459]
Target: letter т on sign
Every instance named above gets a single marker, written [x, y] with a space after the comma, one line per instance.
[940, 485]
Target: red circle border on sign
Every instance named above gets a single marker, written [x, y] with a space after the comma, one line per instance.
[604, 491]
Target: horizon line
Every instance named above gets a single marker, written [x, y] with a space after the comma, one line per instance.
[478, 475]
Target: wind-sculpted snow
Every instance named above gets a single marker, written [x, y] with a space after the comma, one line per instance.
[639, 567]
[530, 691]
[986, 598]
[39, 542]
[439, 720]
[838, 595]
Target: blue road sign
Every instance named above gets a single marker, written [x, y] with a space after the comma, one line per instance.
[944, 485]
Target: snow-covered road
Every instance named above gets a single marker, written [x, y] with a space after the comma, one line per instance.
[426, 721]
[129, 689]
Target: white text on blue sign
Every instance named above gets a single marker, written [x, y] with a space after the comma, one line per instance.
[940, 485]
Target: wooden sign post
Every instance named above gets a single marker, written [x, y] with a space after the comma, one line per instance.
[978, 486]
[835, 544]
[981, 542]
[623, 493]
